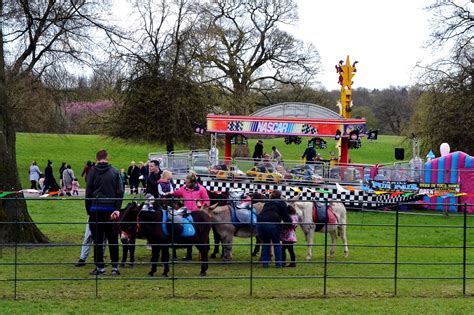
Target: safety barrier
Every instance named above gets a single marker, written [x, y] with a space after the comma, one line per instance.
[10, 258]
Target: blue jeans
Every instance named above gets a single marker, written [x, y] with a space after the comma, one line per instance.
[270, 233]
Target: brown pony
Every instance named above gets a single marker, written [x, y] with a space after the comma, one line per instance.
[149, 226]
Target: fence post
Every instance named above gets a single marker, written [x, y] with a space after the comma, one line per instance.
[396, 248]
[16, 255]
[326, 249]
[95, 249]
[172, 252]
[251, 247]
[464, 251]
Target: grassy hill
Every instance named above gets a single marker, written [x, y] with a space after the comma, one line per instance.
[78, 149]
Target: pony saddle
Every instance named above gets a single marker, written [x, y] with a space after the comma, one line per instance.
[243, 214]
[178, 222]
[242, 217]
[323, 216]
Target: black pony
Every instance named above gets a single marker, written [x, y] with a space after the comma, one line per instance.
[149, 226]
[128, 232]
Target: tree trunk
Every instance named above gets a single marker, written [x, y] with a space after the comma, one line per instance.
[12, 210]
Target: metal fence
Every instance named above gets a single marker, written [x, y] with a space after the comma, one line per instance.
[9, 257]
[292, 171]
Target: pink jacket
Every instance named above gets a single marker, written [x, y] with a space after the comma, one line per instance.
[288, 232]
[191, 196]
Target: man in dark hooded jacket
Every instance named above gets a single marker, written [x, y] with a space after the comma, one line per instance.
[103, 181]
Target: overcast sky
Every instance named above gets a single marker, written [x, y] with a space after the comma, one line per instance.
[386, 37]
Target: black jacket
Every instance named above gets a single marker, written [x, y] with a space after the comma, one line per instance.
[258, 152]
[274, 211]
[103, 181]
[133, 173]
[310, 154]
[152, 184]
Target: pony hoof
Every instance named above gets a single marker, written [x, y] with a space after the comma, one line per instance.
[151, 274]
[131, 266]
[122, 265]
[346, 254]
[254, 254]
[202, 274]
[213, 256]
[164, 276]
[308, 258]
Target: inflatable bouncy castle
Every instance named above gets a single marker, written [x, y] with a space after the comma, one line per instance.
[452, 168]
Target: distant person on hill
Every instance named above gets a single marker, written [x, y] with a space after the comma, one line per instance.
[68, 178]
[50, 183]
[133, 177]
[143, 175]
[123, 176]
[41, 183]
[61, 170]
[34, 174]
[75, 187]
[86, 169]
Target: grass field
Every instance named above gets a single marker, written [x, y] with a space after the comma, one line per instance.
[371, 255]
[78, 149]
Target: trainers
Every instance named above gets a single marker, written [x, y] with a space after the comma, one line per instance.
[97, 272]
[115, 272]
[80, 263]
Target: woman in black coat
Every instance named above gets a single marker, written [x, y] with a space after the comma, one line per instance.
[50, 183]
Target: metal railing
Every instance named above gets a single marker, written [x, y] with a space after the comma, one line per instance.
[181, 162]
[12, 252]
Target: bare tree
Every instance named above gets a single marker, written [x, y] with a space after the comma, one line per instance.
[243, 46]
[35, 37]
[161, 94]
[445, 110]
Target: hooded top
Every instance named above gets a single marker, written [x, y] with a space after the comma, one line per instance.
[103, 181]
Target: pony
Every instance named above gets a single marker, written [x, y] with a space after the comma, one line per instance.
[222, 218]
[150, 226]
[304, 211]
[127, 233]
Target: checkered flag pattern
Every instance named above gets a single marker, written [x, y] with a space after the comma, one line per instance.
[351, 199]
[308, 129]
[235, 126]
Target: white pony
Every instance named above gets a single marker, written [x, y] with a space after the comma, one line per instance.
[304, 211]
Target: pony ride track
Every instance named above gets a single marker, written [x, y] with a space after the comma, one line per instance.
[402, 253]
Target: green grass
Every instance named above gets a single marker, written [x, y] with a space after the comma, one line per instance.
[78, 149]
[270, 296]
[275, 292]
[348, 305]
[371, 152]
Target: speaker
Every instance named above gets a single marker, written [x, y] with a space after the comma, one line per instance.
[399, 154]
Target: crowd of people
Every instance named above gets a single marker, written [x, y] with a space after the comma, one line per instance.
[104, 192]
[46, 182]
[135, 177]
[260, 156]
[105, 188]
